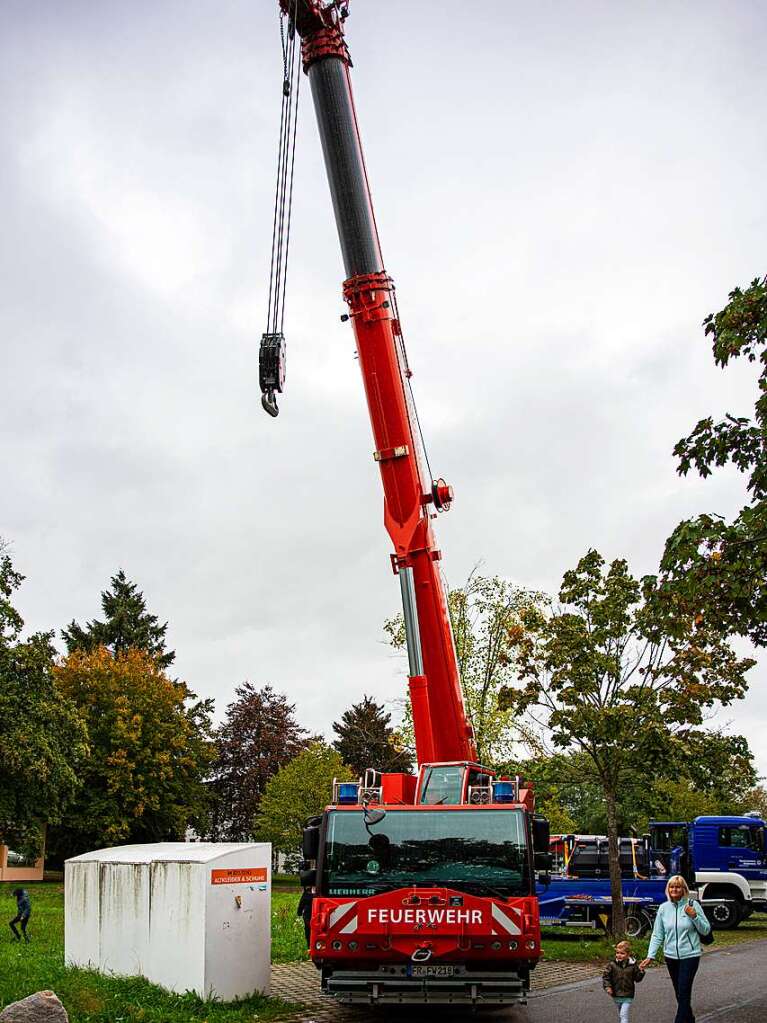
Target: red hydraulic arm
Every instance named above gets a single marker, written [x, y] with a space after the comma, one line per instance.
[411, 497]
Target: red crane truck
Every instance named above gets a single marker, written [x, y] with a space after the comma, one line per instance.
[422, 886]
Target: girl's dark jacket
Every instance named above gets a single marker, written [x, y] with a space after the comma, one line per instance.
[622, 977]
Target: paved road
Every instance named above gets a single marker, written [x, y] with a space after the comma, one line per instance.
[731, 987]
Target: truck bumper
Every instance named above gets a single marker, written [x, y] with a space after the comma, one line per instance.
[392, 985]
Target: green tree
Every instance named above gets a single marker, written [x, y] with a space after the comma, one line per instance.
[486, 615]
[127, 625]
[609, 683]
[259, 736]
[300, 789]
[703, 772]
[366, 739]
[43, 742]
[756, 801]
[712, 568]
[151, 751]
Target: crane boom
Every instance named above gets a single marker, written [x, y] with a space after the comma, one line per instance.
[411, 498]
[416, 889]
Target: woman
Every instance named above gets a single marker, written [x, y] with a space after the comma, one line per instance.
[678, 927]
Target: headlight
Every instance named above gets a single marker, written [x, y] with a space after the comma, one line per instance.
[337, 946]
[352, 946]
[530, 944]
[319, 945]
[513, 946]
[496, 945]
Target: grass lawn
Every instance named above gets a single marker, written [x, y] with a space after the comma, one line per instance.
[91, 997]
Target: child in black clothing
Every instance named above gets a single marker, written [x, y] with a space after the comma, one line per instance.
[620, 978]
[23, 913]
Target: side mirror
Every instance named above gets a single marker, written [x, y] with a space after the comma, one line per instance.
[308, 878]
[543, 861]
[310, 845]
[541, 834]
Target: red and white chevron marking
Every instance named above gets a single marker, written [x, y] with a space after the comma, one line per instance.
[506, 920]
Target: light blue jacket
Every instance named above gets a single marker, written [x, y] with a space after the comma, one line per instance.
[678, 933]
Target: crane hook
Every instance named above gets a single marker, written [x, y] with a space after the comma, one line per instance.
[271, 370]
[269, 403]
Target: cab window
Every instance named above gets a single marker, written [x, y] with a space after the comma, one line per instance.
[443, 785]
[738, 838]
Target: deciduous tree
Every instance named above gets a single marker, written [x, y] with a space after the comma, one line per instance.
[151, 751]
[43, 741]
[486, 615]
[300, 789]
[127, 625]
[703, 772]
[713, 568]
[260, 735]
[610, 683]
[366, 739]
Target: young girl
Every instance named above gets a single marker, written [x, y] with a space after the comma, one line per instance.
[620, 977]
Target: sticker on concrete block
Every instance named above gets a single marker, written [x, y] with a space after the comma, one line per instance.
[246, 875]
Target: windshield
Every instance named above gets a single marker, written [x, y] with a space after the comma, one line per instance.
[484, 851]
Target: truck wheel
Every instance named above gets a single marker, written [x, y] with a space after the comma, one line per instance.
[637, 923]
[724, 916]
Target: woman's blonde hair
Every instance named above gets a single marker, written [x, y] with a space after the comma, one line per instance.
[677, 879]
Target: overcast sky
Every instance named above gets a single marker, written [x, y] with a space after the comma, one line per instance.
[563, 191]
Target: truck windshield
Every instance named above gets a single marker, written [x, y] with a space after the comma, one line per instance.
[484, 851]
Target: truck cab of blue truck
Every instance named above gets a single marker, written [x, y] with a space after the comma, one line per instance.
[724, 858]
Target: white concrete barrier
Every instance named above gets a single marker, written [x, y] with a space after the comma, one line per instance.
[190, 916]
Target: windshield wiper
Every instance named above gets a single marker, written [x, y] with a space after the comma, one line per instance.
[480, 887]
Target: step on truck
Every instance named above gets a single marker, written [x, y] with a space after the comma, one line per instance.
[421, 887]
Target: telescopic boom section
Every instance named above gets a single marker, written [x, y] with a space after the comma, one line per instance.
[442, 729]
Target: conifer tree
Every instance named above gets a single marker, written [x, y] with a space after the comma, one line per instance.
[127, 625]
[365, 739]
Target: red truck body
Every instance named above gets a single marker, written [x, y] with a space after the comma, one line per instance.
[431, 894]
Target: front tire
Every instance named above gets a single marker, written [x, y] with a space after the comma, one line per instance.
[637, 923]
[724, 916]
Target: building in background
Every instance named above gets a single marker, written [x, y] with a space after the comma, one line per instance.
[15, 867]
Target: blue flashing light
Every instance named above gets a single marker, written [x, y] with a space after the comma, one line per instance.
[348, 792]
[503, 792]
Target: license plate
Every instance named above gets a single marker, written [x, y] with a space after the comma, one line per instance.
[433, 970]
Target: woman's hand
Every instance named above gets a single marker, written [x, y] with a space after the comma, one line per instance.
[690, 911]
[645, 963]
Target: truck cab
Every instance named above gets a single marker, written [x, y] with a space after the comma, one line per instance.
[724, 857]
[430, 900]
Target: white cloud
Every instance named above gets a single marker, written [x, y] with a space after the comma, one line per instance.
[563, 193]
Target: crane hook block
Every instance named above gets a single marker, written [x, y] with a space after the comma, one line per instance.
[271, 370]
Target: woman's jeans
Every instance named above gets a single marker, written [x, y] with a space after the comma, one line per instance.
[682, 973]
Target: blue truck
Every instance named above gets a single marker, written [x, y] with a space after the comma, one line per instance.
[723, 858]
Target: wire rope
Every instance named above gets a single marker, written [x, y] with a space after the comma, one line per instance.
[286, 157]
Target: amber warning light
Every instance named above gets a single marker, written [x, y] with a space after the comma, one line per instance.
[244, 876]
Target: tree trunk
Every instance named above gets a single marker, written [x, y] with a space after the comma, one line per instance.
[618, 919]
